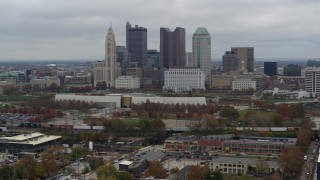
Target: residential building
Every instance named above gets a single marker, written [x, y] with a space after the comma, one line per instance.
[270, 68]
[127, 82]
[292, 70]
[236, 165]
[172, 48]
[243, 84]
[184, 79]
[230, 62]
[33, 142]
[312, 81]
[110, 57]
[201, 50]
[99, 72]
[246, 58]
[123, 58]
[136, 43]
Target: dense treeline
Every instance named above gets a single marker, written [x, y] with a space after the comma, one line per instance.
[61, 104]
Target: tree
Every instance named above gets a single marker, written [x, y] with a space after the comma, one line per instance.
[304, 137]
[124, 176]
[261, 166]
[213, 175]
[53, 87]
[107, 171]
[209, 122]
[229, 112]
[174, 170]
[6, 172]
[94, 163]
[197, 172]
[156, 170]
[77, 152]
[50, 162]
[27, 168]
[291, 161]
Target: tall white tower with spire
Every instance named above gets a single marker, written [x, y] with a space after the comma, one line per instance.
[110, 57]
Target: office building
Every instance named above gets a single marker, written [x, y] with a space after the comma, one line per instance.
[243, 84]
[122, 58]
[127, 82]
[230, 62]
[270, 68]
[236, 165]
[221, 81]
[184, 79]
[99, 72]
[110, 58]
[201, 51]
[172, 48]
[78, 81]
[312, 81]
[292, 70]
[189, 60]
[32, 143]
[153, 58]
[136, 42]
[246, 58]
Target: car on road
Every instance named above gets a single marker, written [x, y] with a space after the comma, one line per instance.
[305, 157]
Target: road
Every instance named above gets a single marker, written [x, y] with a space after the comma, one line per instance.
[309, 163]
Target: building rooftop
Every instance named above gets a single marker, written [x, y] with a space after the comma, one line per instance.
[201, 30]
[126, 162]
[33, 138]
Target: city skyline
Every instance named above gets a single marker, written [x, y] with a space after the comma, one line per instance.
[76, 29]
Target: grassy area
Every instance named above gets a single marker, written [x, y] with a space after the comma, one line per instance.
[242, 177]
[258, 112]
[17, 98]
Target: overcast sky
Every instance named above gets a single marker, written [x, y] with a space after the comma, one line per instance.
[76, 29]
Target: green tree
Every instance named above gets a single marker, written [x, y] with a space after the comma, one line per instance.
[94, 163]
[124, 176]
[6, 172]
[107, 171]
[229, 112]
[261, 166]
[156, 170]
[213, 175]
[77, 152]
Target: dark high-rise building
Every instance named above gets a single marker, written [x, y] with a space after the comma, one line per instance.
[172, 48]
[270, 68]
[246, 58]
[153, 58]
[292, 70]
[122, 58]
[230, 62]
[136, 41]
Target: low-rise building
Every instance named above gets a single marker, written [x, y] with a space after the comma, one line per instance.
[44, 82]
[235, 165]
[184, 79]
[221, 81]
[243, 84]
[34, 142]
[127, 82]
[78, 81]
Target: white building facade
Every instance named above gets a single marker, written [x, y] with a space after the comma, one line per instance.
[312, 81]
[127, 82]
[184, 79]
[243, 84]
[201, 51]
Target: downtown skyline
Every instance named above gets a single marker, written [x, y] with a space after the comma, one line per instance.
[76, 29]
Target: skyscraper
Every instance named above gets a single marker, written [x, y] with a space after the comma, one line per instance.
[201, 50]
[110, 58]
[172, 47]
[136, 42]
[189, 60]
[246, 58]
[122, 58]
[230, 62]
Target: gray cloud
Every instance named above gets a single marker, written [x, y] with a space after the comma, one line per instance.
[71, 29]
